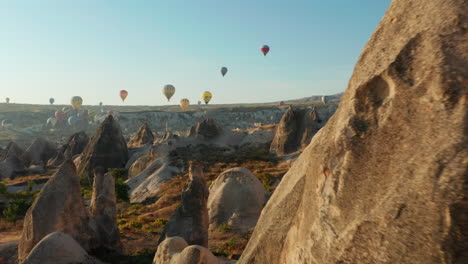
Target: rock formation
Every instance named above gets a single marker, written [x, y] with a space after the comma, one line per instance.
[104, 211]
[39, 152]
[385, 181]
[58, 208]
[143, 137]
[208, 129]
[295, 130]
[13, 149]
[106, 149]
[175, 250]
[60, 248]
[190, 220]
[236, 198]
[57, 160]
[11, 166]
[76, 145]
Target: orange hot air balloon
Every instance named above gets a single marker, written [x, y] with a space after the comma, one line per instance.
[184, 104]
[123, 95]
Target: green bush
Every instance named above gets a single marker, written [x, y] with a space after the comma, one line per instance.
[3, 189]
[16, 209]
[121, 190]
[118, 173]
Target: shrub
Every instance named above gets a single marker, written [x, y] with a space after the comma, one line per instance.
[30, 186]
[121, 190]
[16, 209]
[118, 173]
[3, 189]
[225, 227]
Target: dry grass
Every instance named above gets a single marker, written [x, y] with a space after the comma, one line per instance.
[10, 231]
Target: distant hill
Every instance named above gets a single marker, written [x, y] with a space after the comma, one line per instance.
[315, 98]
[173, 107]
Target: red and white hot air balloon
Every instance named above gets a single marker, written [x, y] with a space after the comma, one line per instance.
[123, 95]
[60, 115]
[265, 49]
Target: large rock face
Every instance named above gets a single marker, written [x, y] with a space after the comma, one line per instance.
[107, 149]
[58, 208]
[295, 130]
[103, 209]
[60, 248]
[385, 181]
[190, 220]
[236, 198]
[39, 152]
[76, 144]
[143, 137]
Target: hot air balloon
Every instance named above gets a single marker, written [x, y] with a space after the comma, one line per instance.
[184, 104]
[199, 102]
[110, 112]
[59, 115]
[281, 103]
[168, 91]
[100, 104]
[324, 99]
[76, 102]
[52, 121]
[7, 123]
[224, 71]
[123, 95]
[7, 100]
[206, 96]
[51, 101]
[72, 120]
[264, 49]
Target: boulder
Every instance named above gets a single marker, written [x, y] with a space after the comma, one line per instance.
[207, 129]
[39, 152]
[106, 149]
[143, 137]
[37, 169]
[175, 250]
[76, 144]
[103, 209]
[190, 220]
[295, 130]
[236, 198]
[385, 181]
[59, 248]
[58, 208]
[9, 252]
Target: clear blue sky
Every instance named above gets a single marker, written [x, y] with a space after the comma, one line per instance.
[95, 48]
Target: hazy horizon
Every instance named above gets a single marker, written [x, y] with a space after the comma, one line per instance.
[94, 49]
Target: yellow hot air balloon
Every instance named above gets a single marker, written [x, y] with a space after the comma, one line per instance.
[206, 96]
[184, 104]
[76, 102]
[168, 91]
